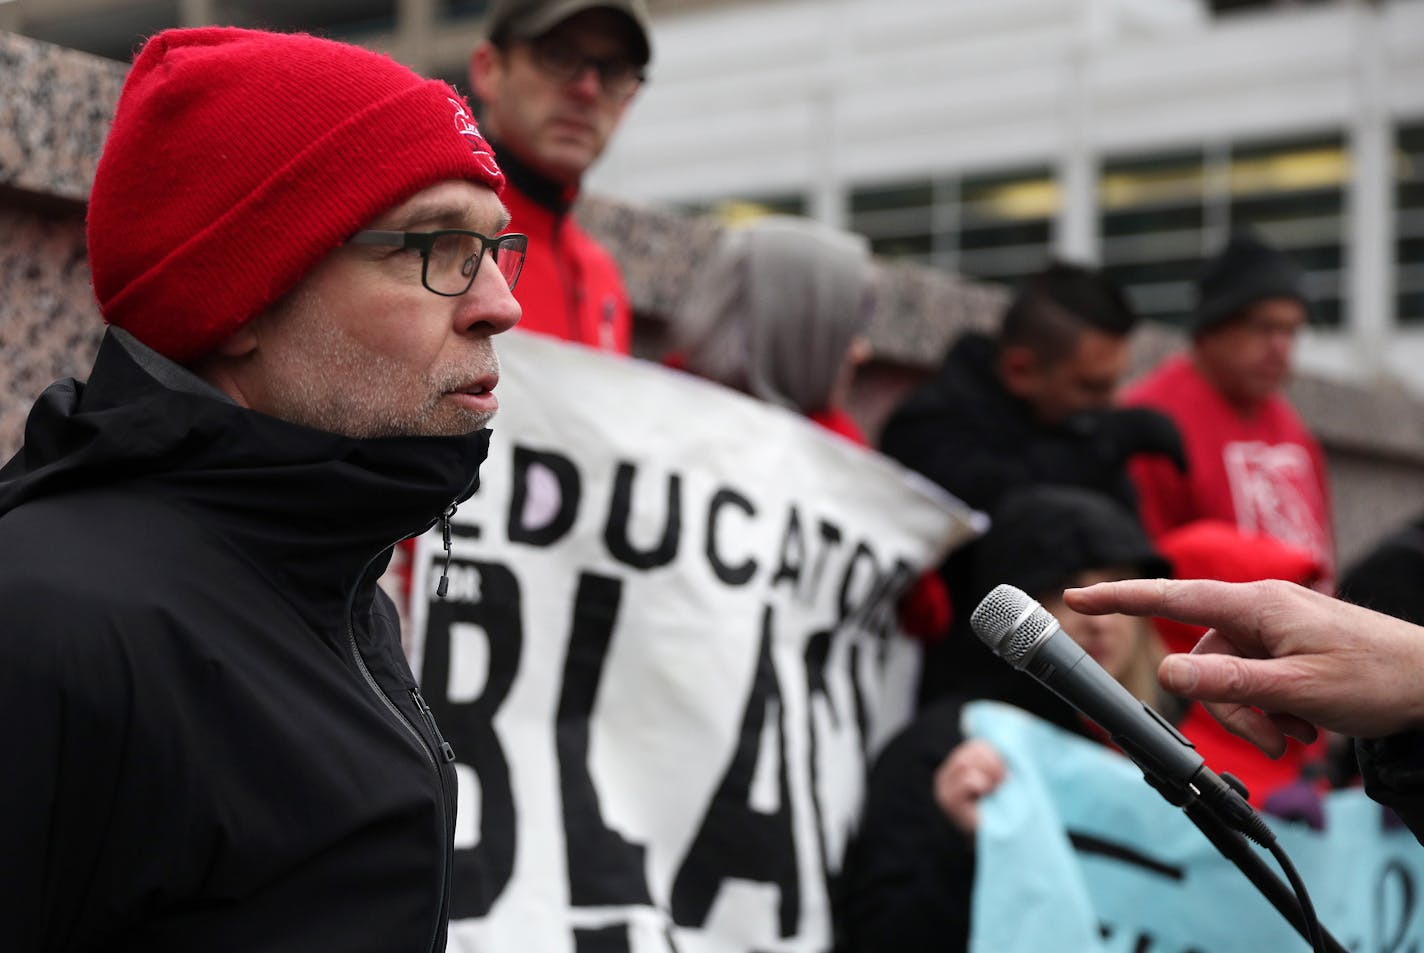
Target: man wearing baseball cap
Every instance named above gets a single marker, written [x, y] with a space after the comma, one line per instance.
[1252, 461]
[212, 738]
[554, 78]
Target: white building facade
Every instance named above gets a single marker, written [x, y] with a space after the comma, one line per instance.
[982, 136]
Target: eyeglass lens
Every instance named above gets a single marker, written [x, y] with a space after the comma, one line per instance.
[454, 258]
[616, 75]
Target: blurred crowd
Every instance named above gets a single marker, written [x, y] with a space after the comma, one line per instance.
[1197, 469]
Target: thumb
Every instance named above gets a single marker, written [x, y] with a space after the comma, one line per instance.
[1220, 678]
[1228, 687]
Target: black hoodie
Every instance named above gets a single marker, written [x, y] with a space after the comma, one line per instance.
[212, 740]
[966, 432]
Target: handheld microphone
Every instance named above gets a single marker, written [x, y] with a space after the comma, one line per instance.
[1024, 634]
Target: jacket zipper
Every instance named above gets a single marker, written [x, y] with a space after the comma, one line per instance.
[445, 750]
[381, 694]
[447, 753]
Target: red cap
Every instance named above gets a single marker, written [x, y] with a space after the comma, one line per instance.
[238, 159]
[1215, 549]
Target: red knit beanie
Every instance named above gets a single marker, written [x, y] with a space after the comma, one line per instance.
[238, 159]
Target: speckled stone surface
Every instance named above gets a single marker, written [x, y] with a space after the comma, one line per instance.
[55, 111]
[55, 108]
[49, 324]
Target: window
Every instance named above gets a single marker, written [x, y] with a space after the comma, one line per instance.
[1155, 232]
[1242, 6]
[1006, 225]
[463, 9]
[1164, 215]
[1409, 224]
[989, 227]
[1293, 195]
[898, 219]
[347, 20]
[734, 210]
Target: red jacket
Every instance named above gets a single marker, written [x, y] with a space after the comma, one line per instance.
[571, 287]
[1266, 473]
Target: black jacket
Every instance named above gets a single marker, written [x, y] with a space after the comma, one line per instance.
[909, 872]
[963, 430]
[1393, 770]
[211, 738]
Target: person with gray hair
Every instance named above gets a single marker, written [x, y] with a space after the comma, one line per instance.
[779, 312]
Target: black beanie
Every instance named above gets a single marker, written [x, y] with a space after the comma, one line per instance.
[1040, 537]
[1247, 270]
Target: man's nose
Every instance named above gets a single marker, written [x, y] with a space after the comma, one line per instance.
[489, 302]
[587, 83]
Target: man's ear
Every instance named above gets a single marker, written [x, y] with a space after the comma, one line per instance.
[1018, 370]
[486, 69]
[240, 343]
[226, 366]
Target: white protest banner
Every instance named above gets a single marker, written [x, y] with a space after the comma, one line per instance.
[1076, 852]
[669, 643]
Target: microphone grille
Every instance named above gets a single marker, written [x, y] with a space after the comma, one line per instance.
[997, 614]
[1026, 636]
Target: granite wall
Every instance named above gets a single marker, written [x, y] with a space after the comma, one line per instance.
[54, 114]
[49, 325]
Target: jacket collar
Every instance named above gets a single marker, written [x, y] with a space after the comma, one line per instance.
[315, 511]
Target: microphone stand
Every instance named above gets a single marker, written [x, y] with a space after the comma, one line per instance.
[1234, 846]
[1237, 849]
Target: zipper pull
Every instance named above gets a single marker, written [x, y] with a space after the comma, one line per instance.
[444, 585]
[446, 752]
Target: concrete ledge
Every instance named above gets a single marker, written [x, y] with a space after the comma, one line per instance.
[918, 310]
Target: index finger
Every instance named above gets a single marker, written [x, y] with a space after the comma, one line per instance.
[1204, 602]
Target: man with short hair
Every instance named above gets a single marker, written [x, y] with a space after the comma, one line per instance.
[1032, 406]
[1253, 462]
[213, 739]
[554, 78]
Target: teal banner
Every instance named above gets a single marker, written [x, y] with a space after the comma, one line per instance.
[1077, 853]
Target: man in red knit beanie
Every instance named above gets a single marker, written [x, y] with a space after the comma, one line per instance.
[213, 737]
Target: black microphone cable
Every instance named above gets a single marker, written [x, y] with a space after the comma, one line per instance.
[1307, 909]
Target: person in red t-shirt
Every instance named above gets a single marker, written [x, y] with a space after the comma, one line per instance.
[1251, 460]
[554, 79]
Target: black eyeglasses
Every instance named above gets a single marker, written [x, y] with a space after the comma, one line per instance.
[450, 258]
[618, 76]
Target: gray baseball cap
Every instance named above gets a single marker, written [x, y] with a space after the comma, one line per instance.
[530, 19]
